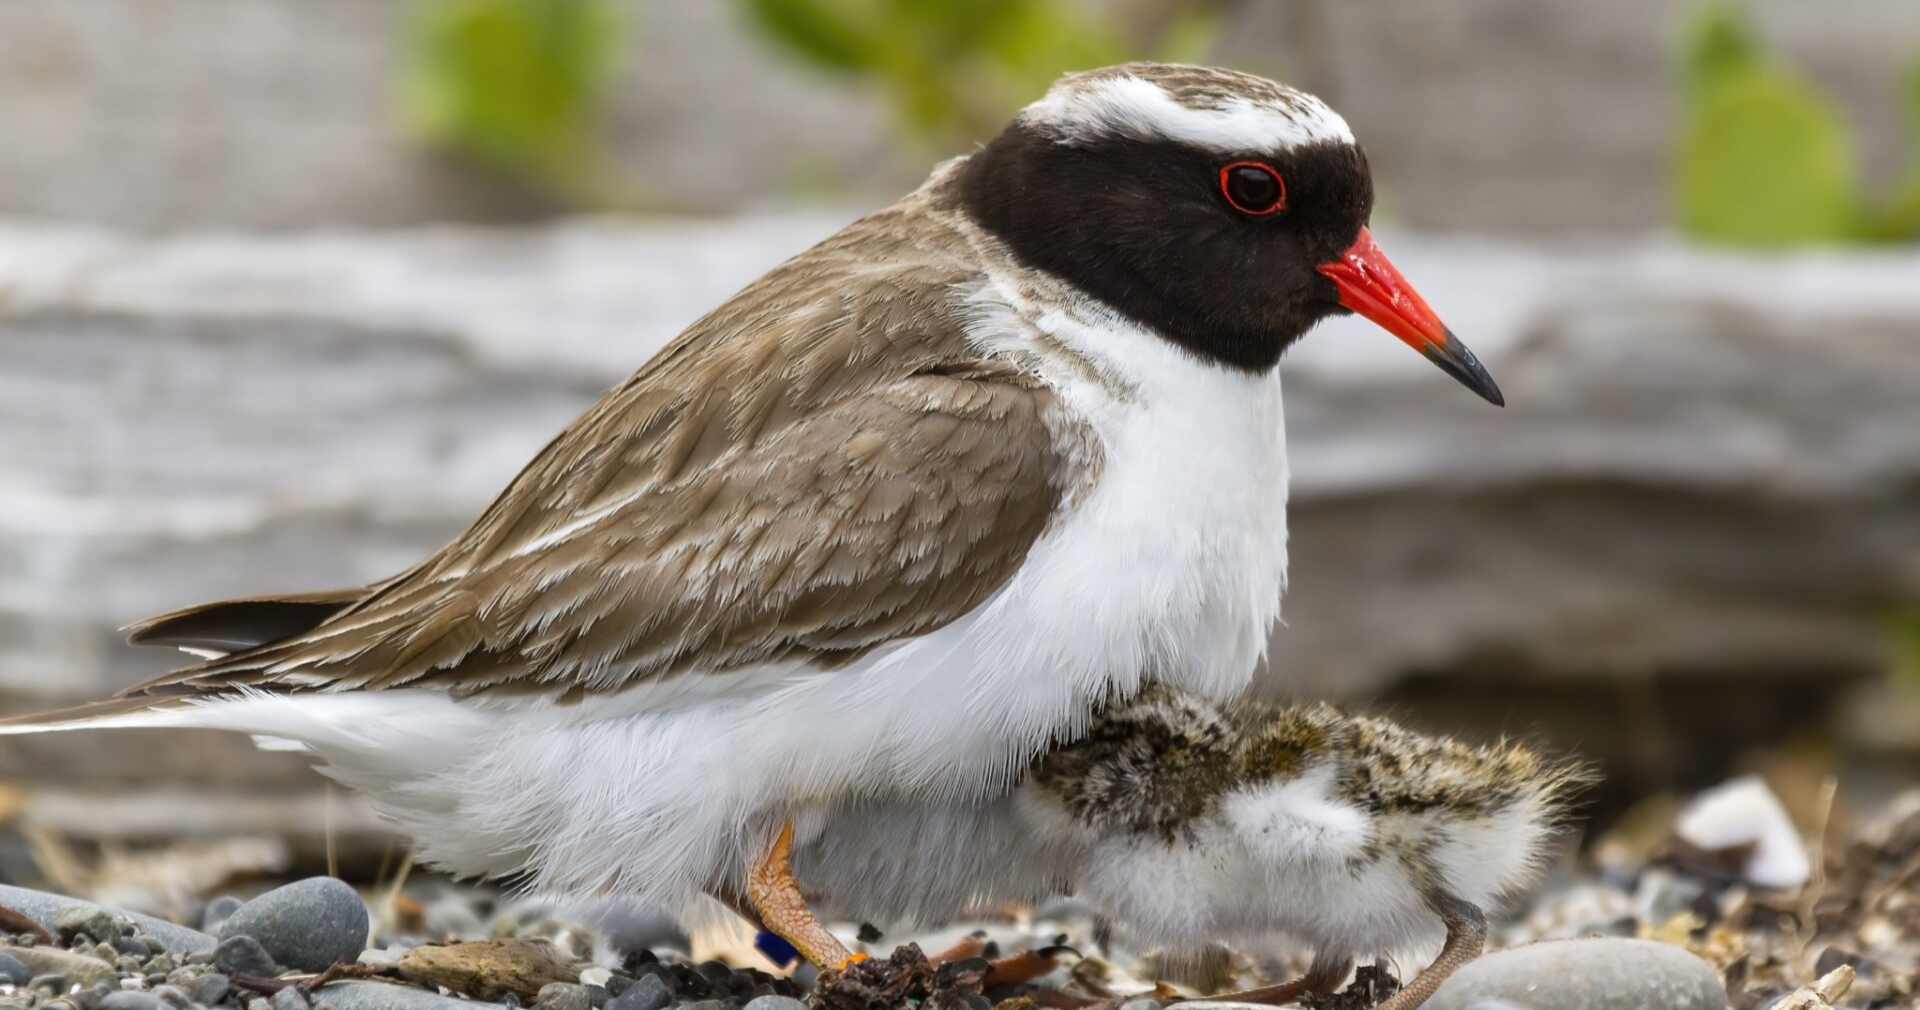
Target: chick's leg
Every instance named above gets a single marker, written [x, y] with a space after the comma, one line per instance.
[1323, 976]
[778, 904]
[1466, 937]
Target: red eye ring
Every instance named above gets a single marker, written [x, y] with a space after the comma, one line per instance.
[1263, 204]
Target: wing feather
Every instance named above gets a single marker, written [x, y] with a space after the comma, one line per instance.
[819, 467]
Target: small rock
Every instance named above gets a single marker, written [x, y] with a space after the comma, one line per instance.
[490, 969]
[366, 995]
[648, 992]
[597, 996]
[217, 912]
[131, 1000]
[244, 955]
[1598, 973]
[259, 1004]
[80, 969]
[92, 920]
[1141, 1004]
[14, 970]
[308, 925]
[776, 1003]
[211, 989]
[291, 998]
[172, 996]
[562, 996]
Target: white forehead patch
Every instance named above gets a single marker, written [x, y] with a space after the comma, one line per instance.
[1081, 108]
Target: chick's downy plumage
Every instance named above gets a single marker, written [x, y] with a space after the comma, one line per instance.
[1184, 821]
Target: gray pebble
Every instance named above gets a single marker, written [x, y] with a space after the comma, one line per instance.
[217, 912]
[13, 969]
[776, 1003]
[648, 992]
[79, 918]
[1141, 1004]
[244, 955]
[1595, 973]
[363, 995]
[259, 1004]
[172, 995]
[211, 989]
[291, 998]
[563, 996]
[131, 1000]
[709, 1004]
[597, 996]
[308, 925]
[44, 908]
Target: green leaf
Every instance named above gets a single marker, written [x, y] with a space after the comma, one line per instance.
[512, 83]
[1762, 158]
[1764, 162]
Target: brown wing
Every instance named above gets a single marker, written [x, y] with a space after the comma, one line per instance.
[818, 468]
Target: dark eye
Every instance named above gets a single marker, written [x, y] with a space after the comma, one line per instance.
[1253, 188]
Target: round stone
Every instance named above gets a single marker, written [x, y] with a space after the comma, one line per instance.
[13, 970]
[308, 925]
[1594, 973]
[562, 996]
[648, 992]
[776, 1003]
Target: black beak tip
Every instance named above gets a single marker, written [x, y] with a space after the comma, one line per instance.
[1456, 360]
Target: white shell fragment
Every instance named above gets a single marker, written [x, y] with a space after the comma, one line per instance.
[1745, 812]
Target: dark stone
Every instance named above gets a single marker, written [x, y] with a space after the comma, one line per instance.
[308, 925]
[648, 992]
[244, 955]
[14, 970]
[211, 989]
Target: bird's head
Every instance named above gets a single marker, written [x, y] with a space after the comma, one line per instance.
[1224, 211]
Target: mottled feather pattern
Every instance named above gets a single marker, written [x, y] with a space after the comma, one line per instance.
[793, 477]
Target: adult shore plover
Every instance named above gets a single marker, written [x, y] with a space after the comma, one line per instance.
[881, 525]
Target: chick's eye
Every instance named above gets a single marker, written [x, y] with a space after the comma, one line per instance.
[1253, 188]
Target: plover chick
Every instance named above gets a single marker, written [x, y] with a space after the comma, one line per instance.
[1183, 822]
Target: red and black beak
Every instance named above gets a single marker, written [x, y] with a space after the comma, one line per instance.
[1371, 285]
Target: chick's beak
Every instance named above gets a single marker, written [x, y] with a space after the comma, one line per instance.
[1371, 285]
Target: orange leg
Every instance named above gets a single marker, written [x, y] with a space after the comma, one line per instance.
[1323, 977]
[777, 901]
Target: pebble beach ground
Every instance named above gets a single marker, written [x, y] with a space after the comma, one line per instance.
[1677, 918]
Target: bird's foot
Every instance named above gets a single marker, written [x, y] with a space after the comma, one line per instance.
[781, 909]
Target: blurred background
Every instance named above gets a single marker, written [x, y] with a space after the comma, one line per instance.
[289, 290]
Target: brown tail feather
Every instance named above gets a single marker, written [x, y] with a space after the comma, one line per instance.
[238, 625]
